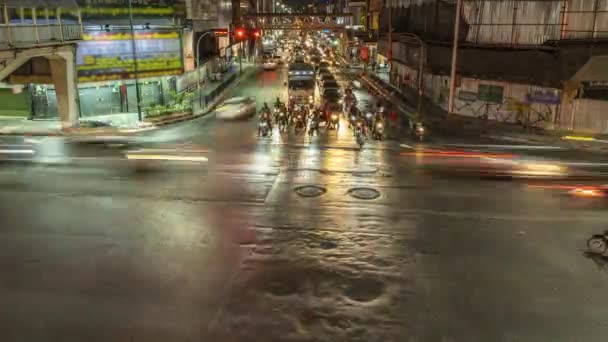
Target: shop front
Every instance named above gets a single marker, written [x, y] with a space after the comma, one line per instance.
[107, 72]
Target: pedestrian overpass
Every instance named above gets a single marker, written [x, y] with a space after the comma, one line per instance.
[38, 45]
[298, 21]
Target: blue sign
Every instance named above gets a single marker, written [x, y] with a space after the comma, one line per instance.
[544, 96]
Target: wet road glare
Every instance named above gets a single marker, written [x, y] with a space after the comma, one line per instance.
[291, 238]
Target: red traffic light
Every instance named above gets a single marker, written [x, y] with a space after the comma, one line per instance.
[239, 33]
[256, 34]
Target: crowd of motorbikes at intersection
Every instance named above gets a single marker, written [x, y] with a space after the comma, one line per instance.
[305, 118]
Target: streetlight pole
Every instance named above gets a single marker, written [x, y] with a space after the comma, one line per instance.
[454, 58]
[196, 57]
[135, 67]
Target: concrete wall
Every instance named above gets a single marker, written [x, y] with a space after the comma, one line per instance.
[584, 115]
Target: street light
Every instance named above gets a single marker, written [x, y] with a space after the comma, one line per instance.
[196, 56]
[454, 58]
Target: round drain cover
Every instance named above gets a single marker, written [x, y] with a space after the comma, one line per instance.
[310, 190]
[364, 193]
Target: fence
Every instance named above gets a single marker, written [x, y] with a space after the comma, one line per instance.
[27, 34]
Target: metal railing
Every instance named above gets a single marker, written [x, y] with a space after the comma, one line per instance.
[28, 34]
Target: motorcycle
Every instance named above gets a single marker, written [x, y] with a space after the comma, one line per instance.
[299, 123]
[352, 120]
[313, 126]
[282, 121]
[378, 133]
[419, 131]
[334, 122]
[369, 120]
[264, 128]
[359, 137]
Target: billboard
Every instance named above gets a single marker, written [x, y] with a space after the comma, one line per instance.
[120, 8]
[105, 56]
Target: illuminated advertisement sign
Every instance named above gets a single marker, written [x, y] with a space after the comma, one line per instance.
[105, 56]
[120, 8]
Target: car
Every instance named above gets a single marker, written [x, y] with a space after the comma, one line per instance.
[323, 71]
[329, 84]
[324, 65]
[324, 78]
[332, 97]
[97, 132]
[270, 65]
[236, 108]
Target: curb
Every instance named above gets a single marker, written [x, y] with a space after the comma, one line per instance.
[210, 108]
[148, 126]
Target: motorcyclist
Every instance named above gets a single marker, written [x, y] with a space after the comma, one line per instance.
[265, 108]
[314, 117]
[265, 116]
[379, 120]
[278, 103]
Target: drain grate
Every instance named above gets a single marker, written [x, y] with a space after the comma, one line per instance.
[310, 190]
[364, 193]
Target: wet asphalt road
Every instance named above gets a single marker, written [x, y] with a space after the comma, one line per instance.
[267, 241]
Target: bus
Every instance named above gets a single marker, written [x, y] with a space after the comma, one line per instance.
[301, 83]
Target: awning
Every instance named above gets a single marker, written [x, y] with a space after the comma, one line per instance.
[70, 4]
[596, 69]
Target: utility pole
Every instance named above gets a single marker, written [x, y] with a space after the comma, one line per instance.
[454, 58]
[135, 67]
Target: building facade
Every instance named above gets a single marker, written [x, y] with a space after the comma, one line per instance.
[163, 38]
[518, 61]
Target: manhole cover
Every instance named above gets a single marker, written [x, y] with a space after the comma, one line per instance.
[310, 190]
[364, 193]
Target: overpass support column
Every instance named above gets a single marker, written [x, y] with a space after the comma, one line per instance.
[63, 72]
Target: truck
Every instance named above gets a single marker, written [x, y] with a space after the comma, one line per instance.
[301, 83]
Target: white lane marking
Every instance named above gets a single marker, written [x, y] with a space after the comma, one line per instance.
[511, 147]
[165, 157]
[31, 141]
[407, 146]
[17, 151]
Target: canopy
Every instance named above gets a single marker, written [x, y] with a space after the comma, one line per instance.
[40, 3]
[596, 69]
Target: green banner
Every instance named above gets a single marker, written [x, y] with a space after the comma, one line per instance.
[120, 8]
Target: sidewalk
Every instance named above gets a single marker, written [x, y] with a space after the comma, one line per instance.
[453, 125]
[212, 94]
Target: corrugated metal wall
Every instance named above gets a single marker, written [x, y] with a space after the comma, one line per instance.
[586, 19]
[512, 22]
[528, 22]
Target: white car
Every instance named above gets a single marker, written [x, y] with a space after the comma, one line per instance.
[270, 65]
[236, 108]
